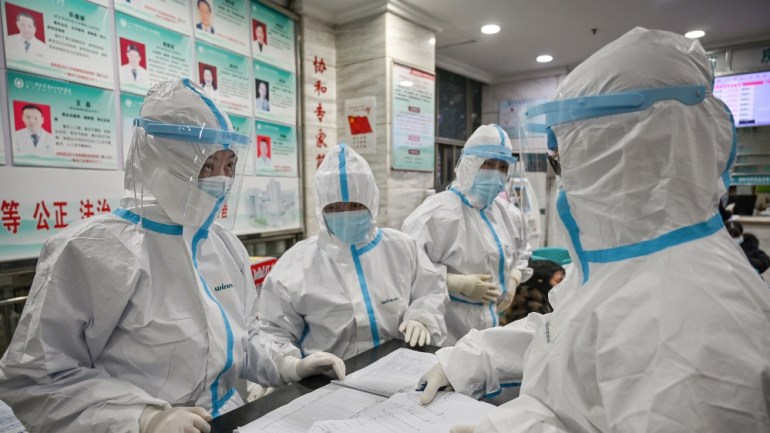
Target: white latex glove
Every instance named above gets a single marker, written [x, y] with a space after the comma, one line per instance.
[432, 380]
[415, 333]
[174, 420]
[256, 391]
[293, 369]
[506, 300]
[462, 428]
[473, 286]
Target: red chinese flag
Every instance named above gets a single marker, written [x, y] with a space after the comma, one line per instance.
[359, 125]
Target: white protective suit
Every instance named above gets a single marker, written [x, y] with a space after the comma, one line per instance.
[325, 295]
[462, 236]
[662, 326]
[123, 314]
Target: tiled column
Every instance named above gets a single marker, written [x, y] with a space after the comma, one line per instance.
[366, 50]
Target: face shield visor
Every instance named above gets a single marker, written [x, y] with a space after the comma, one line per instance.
[538, 121]
[201, 180]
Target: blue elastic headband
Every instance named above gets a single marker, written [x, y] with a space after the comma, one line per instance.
[191, 133]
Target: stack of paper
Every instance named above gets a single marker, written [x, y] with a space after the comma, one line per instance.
[378, 398]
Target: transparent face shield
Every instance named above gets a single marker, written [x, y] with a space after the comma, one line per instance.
[199, 169]
[537, 121]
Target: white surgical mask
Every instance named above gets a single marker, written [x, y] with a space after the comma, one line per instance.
[216, 186]
[738, 240]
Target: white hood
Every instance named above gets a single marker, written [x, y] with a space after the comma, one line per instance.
[634, 177]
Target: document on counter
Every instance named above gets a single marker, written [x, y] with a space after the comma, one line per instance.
[8, 421]
[404, 413]
[397, 372]
[330, 402]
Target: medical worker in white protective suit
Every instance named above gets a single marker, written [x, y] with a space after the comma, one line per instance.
[153, 306]
[663, 326]
[472, 237]
[354, 285]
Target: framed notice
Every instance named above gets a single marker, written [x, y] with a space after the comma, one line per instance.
[361, 114]
[60, 124]
[412, 102]
[243, 125]
[276, 149]
[224, 76]
[2, 138]
[276, 93]
[43, 201]
[272, 37]
[68, 40]
[171, 14]
[149, 54]
[130, 106]
[223, 23]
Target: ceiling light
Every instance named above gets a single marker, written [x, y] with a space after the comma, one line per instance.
[545, 58]
[695, 34]
[432, 41]
[406, 83]
[490, 29]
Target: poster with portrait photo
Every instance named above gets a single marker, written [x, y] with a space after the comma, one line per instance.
[275, 93]
[225, 77]
[272, 37]
[171, 14]
[276, 149]
[59, 124]
[149, 54]
[68, 41]
[223, 23]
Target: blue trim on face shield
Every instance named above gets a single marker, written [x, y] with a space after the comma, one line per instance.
[166, 229]
[191, 133]
[211, 105]
[343, 175]
[202, 233]
[586, 107]
[491, 151]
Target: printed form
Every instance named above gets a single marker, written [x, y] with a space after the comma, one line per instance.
[397, 372]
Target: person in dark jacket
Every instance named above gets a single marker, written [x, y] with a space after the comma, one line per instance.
[750, 246]
[532, 295]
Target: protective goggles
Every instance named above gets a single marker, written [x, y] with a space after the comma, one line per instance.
[192, 133]
[491, 151]
[540, 118]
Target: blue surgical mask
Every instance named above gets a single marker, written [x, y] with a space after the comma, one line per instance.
[215, 186]
[487, 184]
[351, 227]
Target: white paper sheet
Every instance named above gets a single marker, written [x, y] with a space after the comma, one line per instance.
[8, 421]
[404, 413]
[397, 372]
[331, 402]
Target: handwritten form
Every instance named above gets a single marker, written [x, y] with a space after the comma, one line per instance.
[328, 403]
[404, 413]
[397, 372]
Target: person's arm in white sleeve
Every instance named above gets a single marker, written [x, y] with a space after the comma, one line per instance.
[428, 298]
[484, 361]
[268, 344]
[524, 414]
[48, 374]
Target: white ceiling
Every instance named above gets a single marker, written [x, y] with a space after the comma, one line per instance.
[561, 28]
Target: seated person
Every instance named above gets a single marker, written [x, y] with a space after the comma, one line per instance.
[143, 320]
[354, 285]
[532, 295]
[750, 246]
